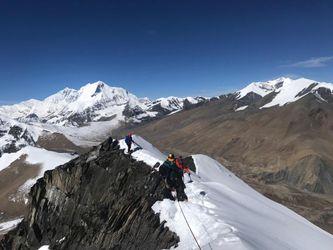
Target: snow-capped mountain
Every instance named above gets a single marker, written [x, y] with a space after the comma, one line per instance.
[69, 107]
[285, 90]
[15, 135]
[92, 103]
[85, 116]
[173, 104]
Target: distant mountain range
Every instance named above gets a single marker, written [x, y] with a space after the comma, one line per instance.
[96, 108]
[94, 105]
[276, 135]
[284, 90]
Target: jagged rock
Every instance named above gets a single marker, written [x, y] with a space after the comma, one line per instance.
[80, 119]
[131, 112]
[15, 131]
[28, 138]
[100, 200]
[249, 99]
[188, 105]
[159, 109]
[325, 93]
[307, 90]
[10, 147]
[2, 133]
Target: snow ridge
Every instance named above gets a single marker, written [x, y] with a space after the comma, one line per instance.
[287, 90]
[225, 213]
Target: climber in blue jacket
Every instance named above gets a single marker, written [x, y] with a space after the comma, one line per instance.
[129, 141]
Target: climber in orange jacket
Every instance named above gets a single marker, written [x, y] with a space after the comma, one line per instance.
[181, 165]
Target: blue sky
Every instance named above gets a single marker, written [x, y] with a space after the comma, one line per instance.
[160, 48]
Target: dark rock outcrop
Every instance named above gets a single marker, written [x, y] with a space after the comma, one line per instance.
[132, 112]
[15, 131]
[249, 99]
[325, 93]
[100, 200]
[307, 90]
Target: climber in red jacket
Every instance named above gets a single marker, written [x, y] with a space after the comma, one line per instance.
[181, 165]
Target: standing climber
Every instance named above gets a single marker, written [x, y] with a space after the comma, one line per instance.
[173, 177]
[181, 165]
[129, 141]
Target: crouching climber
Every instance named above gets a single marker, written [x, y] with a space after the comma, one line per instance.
[173, 177]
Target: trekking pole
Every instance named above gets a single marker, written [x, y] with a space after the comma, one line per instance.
[137, 144]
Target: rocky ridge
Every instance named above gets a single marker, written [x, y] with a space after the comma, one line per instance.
[100, 200]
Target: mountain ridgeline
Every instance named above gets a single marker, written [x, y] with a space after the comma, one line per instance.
[276, 135]
[23, 123]
[100, 200]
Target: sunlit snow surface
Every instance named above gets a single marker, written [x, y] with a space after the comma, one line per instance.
[286, 89]
[231, 215]
[241, 108]
[45, 247]
[8, 225]
[47, 160]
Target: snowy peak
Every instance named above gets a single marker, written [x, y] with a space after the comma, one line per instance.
[263, 88]
[92, 103]
[174, 104]
[286, 90]
[15, 135]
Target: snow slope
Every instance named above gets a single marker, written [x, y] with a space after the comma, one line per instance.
[46, 159]
[291, 88]
[287, 90]
[261, 88]
[9, 225]
[174, 104]
[241, 108]
[230, 214]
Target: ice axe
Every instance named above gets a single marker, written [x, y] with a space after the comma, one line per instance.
[137, 144]
[189, 175]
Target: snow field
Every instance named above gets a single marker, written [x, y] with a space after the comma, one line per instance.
[230, 214]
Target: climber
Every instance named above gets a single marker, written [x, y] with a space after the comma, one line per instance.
[129, 141]
[181, 165]
[173, 177]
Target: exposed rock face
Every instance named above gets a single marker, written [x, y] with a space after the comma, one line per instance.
[325, 93]
[131, 112]
[15, 131]
[307, 90]
[13, 137]
[250, 98]
[101, 200]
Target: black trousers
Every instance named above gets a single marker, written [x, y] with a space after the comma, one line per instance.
[129, 145]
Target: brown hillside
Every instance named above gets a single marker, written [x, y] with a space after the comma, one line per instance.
[284, 152]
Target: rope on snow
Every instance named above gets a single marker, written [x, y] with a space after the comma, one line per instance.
[196, 241]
